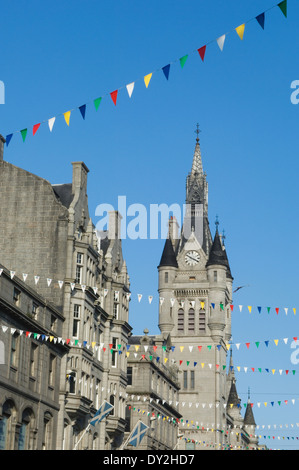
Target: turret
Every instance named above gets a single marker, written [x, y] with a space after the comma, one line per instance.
[167, 273]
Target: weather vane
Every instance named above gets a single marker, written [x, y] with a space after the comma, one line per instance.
[197, 132]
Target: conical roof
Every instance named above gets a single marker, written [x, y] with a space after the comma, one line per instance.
[249, 418]
[168, 257]
[218, 254]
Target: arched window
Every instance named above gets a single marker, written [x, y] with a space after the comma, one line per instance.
[6, 431]
[24, 441]
[47, 432]
[180, 320]
[191, 317]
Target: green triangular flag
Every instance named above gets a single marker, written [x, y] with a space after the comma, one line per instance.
[257, 344]
[183, 60]
[268, 308]
[24, 133]
[188, 362]
[151, 357]
[221, 306]
[97, 102]
[210, 347]
[119, 346]
[279, 402]
[260, 369]
[164, 348]
[224, 367]
[283, 7]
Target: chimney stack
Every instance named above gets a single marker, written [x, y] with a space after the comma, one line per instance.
[2, 142]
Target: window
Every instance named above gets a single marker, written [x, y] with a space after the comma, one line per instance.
[34, 308]
[115, 310]
[192, 381]
[16, 296]
[185, 384]
[33, 354]
[202, 321]
[79, 268]
[128, 419]
[112, 402]
[166, 277]
[129, 375]
[181, 320]
[76, 320]
[72, 382]
[114, 352]
[191, 325]
[13, 350]
[215, 276]
[51, 369]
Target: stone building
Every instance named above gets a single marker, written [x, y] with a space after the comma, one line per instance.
[30, 366]
[195, 283]
[48, 239]
[152, 391]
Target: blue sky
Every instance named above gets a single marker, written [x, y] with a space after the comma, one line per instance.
[56, 56]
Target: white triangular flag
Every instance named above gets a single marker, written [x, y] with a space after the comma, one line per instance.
[36, 279]
[139, 297]
[51, 123]
[49, 281]
[130, 88]
[24, 277]
[72, 284]
[60, 283]
[150, 298]
[172, 302]
[220, 42]
[12, 273]
[105, 292]
[95, 289]
[161, 300]
[83, 287]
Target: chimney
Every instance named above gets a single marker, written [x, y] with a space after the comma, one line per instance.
[2, 142]
[114, 227]
[79, 182]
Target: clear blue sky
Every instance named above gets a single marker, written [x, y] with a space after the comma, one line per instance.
[58, 55]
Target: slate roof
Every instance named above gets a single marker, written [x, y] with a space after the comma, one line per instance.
[168, 257]
[63, 192]
[218, 254]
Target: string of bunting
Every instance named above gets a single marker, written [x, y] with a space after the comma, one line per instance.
[201, 51]
[181, 303]
[151, 357]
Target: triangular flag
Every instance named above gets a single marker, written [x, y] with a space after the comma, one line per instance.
[67, 116]
[240, 30]
[35, 128]
[277, 310]
[147, 79]
[220, 42]
[283, 7]
[261, 19]
[259, 309]
[23, 133]
[97, 102]
[51, 123]
[166, 70]
[83, 110]
[202, 51]
[113, 95]
[183, 60]
[8, 139]
[130, 88]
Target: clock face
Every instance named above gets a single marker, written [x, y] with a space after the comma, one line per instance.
[192, 258]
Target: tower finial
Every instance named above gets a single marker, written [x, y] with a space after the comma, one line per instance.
[217, 223]
[197, 132]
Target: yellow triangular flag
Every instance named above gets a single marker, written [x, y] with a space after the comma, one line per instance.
[202, 304]
[181, 348]
[273, 371]
[240, 30]
[294, 310]
[93, 344]
[127, 353]
[165, 359]
[147, 79]
[276, 341]
[249, 308]
[136, 348]
[67, 116]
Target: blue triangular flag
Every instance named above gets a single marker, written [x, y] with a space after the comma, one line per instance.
[8, 139]
[213, 305]
[166, 70]
[261, 19]
[83, 110]
[259, 309]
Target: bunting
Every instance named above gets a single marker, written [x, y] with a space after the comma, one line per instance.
[147, 78]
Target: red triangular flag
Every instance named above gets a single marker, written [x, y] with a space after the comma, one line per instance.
[247, 344]
[113, 95]
[277, 310]
[181, 362]
[202, 51]
[35, 127]
[155, 348]
[199, 347]
[232, 307]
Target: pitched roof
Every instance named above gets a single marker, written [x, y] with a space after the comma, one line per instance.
[168, 257]
[249, 418]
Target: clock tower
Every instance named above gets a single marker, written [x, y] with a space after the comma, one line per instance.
[195, 290]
